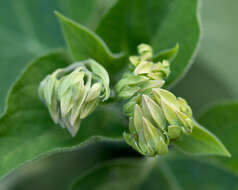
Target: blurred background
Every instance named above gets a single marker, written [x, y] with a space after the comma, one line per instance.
[28, 28]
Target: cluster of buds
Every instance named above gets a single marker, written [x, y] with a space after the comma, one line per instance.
[144, 65]
[156, 115]
[72, 93]
[143, 76]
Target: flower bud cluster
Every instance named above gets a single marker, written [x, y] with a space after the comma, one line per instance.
[156, 115]
[72, 93]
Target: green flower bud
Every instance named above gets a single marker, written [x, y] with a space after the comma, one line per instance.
[156, 120]
[72, 93]
[156, 115]
[145, 137]
[174, 131]
[145, 51]
[144, 76]
[176, 110]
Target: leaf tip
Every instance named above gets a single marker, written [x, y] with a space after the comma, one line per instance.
[59, 15]
[226, 153]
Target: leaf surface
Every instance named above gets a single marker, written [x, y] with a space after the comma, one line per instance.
[222, 120]
[26, 129]
[160, 23]
[170, 173]
[84, 44]
[201, 142]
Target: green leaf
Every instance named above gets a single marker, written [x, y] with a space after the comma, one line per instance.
[168, 54]
[160, 23]
[197, 175]
[26, 129]
[84, 44]
[126, 174]
[88, 13]
[222, 120]
[201, 142]
[119, 174]
[170, 173]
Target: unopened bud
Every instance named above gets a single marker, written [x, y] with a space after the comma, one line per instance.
[176, 110]
[144, 76]
[174, 131]
[145, 51]
[144, 136]
[157, 116]
[72, 93]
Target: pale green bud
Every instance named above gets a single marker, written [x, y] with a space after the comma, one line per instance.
[157, 118]
[144, 136]
[174, 131]
[184, 107]
[135, 60]
[145, 51]
[176, 110]
[128, 107]
[153, 112]
[72, 93]
[47, 93]
[144, 67]
[156, 115]
[143, 64]
[160, 70]
[144, 76]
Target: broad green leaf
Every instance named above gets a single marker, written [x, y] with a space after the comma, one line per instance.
[160, 23]
[26, 129]
[170, 173]
[197, 175]
[84, 44]
[201, 142]
[222, 120]
[124, 174]
[88, 13]
[29, 28]
[120, 174]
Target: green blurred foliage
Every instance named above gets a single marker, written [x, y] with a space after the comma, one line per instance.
[59, 170]
[222, 120]
[219, 44]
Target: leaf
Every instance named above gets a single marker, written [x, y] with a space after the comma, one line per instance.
[170, 173]
[34, 23]
[160, 23]
[84, 43]
[222, 120]
[26, 129]
[197, 175]
[118, 174]
[87, 12]
[201, 142]
[123, 174]
[168, 54]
